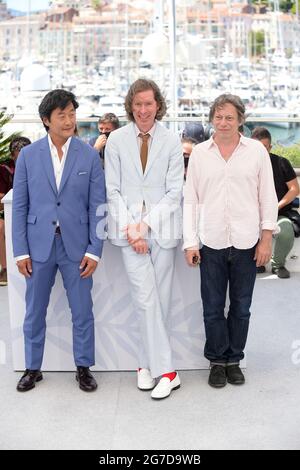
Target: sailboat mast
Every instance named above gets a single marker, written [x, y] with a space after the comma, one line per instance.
[28, 27]
[173, 71]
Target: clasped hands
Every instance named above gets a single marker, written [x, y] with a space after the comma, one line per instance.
[135, 234]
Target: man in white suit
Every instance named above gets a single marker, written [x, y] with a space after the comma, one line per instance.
[144, 177]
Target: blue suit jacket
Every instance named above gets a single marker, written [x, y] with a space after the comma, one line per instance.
[78, 205]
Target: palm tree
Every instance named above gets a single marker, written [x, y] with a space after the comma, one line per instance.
[5, 139]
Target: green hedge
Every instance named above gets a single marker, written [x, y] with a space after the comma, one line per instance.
[292, 153]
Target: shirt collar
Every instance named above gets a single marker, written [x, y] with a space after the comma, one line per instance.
[151, 131]
[243, 139]
[211, 142]
[65, 147]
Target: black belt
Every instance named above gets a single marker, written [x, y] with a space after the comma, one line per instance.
[57, 230]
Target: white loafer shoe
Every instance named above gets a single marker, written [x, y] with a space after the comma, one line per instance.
[144, 380]
[165, 387]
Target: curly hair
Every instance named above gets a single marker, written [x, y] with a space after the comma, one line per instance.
[144, 84]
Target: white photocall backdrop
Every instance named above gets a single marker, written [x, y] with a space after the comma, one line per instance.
[116, 328]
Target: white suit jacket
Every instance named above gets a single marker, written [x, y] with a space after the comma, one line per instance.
[160, 187]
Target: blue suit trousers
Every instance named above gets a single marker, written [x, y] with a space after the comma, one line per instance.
[38, 289]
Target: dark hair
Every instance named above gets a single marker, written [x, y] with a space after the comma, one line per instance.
[189, 140]
[144, 84]
[110, 117]
[260, 133]
[53, 100]
[18, 143]
[225, 99]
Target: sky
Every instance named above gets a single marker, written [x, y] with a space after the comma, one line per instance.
[23, 4]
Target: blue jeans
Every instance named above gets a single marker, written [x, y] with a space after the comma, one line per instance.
[226, 337]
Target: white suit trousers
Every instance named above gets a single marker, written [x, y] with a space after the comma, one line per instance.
[150, 278]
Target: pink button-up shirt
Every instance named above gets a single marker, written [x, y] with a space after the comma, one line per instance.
[228, 203]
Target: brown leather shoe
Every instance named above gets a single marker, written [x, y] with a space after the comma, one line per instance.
[28, 379]
[86, 381]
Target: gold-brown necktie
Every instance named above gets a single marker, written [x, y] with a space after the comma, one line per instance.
[144, 149]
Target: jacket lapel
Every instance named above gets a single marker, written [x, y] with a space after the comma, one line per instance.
[47, 162]
[133, 149]
[70, 160]
[156, 145]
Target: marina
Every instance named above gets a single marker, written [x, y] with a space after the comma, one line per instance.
[211, 55]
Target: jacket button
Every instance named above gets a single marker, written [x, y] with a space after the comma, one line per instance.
[58, 203]
[54, 222]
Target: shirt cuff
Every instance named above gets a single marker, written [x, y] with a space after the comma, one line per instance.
[266, 225]
[19, 258]
[94, 257]
[191, 245]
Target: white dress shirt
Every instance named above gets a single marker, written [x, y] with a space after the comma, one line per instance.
[139, 139]
[58, 164]
[228, 203]
[58, 168]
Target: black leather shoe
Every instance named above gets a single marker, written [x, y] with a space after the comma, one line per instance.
[28, 379]
[281, 272]
[260, 269]
[217, 376]
[87, 383]
[234, 375]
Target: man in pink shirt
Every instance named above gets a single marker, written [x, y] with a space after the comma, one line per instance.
[230, 213]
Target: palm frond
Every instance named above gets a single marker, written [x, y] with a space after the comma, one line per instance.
[5, 139]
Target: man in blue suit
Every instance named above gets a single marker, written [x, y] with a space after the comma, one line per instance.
[58, 188]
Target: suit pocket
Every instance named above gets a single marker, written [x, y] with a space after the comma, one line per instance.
[84, 219]
[31, 219]
[80, 182]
